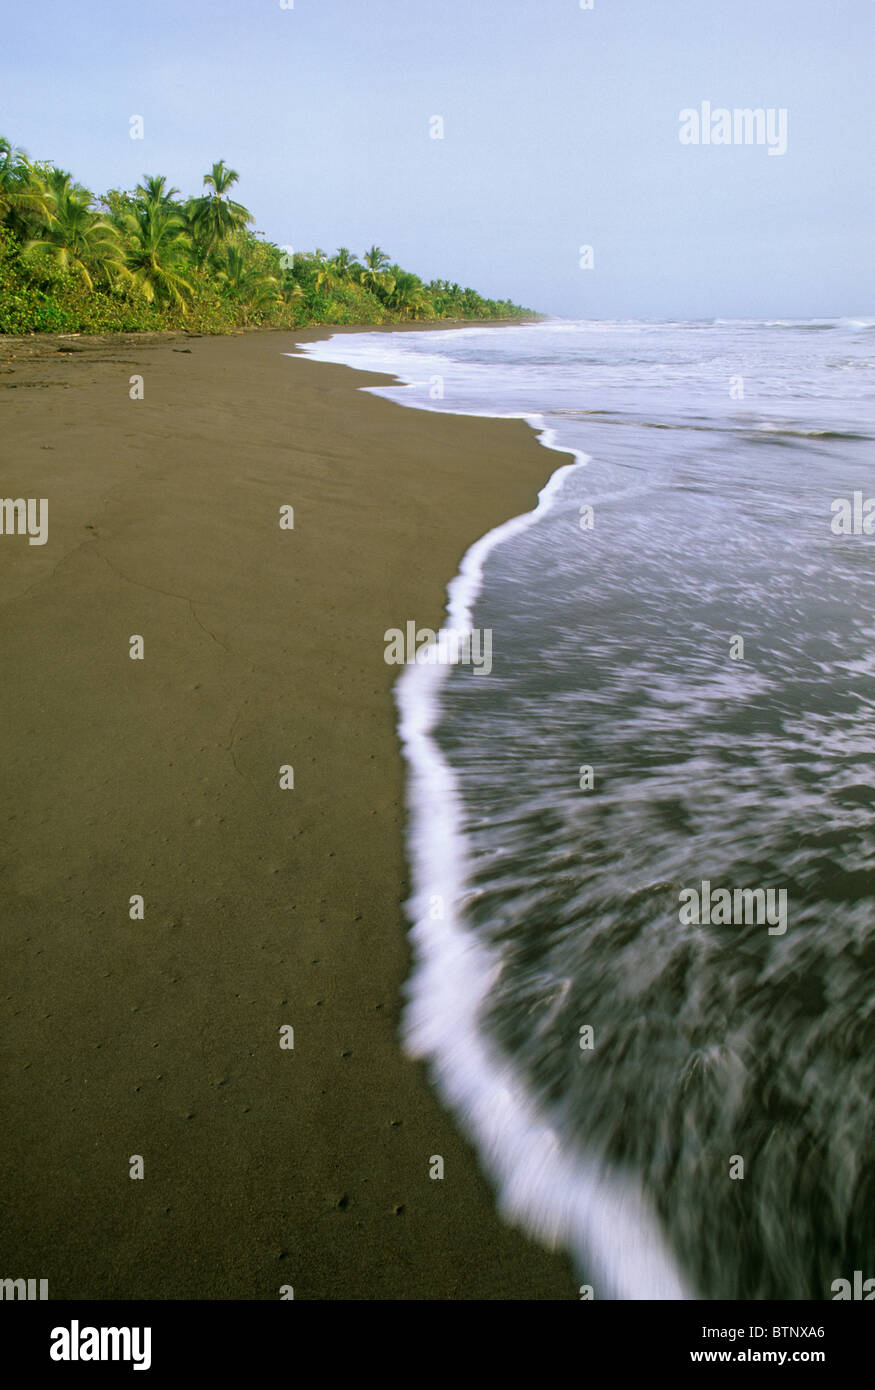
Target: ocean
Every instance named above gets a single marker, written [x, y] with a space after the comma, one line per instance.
[641, 842]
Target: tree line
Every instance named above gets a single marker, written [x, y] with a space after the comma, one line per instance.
[71, 261]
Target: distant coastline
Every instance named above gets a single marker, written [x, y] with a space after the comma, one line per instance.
[146, 260]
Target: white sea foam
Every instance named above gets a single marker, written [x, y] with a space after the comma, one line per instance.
[545, 1185]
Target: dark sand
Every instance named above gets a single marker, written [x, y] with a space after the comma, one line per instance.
[262, 907]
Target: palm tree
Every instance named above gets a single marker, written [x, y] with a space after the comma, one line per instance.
[157, 245]
[74, 236]
[291, 290]
[214, 216]
[24, 197]
[441, 296]
[252, 290]
[408, 295]
[471, 303]
[374, 274]
[154, 191]
[375, 260]
[326, 276]
[343, 261]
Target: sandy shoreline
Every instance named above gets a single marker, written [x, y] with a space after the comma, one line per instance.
[160, 777]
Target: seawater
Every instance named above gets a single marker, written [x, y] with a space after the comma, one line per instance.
[682, 692]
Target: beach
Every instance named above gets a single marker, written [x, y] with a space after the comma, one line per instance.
[263, 907]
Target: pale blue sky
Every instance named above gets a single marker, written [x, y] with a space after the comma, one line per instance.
[561, 129]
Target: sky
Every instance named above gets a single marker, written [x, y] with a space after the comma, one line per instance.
[560, 131]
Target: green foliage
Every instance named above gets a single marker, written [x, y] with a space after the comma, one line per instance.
[46, 298]
[143, 260]
[74, 237]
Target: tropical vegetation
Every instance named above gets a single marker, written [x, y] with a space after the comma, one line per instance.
[148, 258]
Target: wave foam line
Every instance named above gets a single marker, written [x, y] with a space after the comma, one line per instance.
[545, 1185]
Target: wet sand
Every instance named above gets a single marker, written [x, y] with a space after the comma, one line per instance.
[160, 777]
